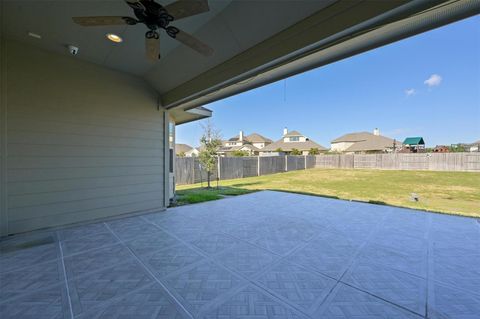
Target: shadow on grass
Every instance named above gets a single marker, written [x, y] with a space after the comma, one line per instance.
[304, 193]
[245, 184]
[374, 202]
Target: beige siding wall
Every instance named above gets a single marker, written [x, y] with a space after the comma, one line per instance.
[79, 141]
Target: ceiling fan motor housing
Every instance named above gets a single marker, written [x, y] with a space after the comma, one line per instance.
[152, 14]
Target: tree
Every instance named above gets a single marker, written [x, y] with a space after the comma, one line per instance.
[211, 142]
[313, 151]
[239, 153]
[455, 148]
[295, 152]
[181, 154]
[279, 150]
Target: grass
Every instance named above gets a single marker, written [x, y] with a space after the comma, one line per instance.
[199, 194]
[447, 192]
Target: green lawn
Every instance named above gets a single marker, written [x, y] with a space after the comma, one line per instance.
[199, 194]
[448, 192]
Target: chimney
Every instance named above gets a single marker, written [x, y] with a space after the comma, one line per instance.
[240, 136]
[285, 131]
[376, 132]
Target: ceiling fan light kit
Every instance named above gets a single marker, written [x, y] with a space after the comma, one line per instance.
[114, 38]
[155, 17]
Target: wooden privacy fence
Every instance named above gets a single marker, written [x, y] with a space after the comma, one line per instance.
[398, 161]
[189, 171]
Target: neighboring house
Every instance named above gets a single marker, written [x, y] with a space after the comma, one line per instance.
[469, 147]
[185, 150]
[252, 144]
[474, 147]
[364, 142]
[413, 145]
[289, 141]
[441, 149]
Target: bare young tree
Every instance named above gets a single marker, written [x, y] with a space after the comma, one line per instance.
[210, 143]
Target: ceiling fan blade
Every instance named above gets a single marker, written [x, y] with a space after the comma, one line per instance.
[99, 21]
[194, 43]
[152, 48]
[185, 8]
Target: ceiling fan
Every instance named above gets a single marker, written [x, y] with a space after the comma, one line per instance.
[155, 17]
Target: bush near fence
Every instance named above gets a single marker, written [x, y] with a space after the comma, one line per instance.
[188, 170]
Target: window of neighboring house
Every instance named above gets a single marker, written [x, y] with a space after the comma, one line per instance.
[294, 139]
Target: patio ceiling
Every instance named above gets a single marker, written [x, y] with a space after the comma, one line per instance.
[249, 38]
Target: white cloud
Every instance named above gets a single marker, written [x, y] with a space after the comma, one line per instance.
[433, 80]
[410, 92]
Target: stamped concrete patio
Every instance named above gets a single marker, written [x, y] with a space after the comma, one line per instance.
[263, 255]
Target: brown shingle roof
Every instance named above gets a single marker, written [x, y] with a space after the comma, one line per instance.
[353, 137]
[373, 143]
[236, 148]
[252, 138]
[293, 133]
[288, 146]
[182, 148]
[257, 138]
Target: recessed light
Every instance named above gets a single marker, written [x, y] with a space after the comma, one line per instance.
[34, 35]
[114, 38]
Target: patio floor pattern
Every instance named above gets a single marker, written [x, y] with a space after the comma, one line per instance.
[264, 255]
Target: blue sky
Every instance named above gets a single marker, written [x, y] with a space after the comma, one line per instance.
[427, 85]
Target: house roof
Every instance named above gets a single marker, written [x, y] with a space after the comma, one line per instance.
[293, 133]
[235, 138]
[227, 149]
[414, 141]
[182, 148]
[288, 146]
[257, 138]
[252, 138]
[373, 143]
[353, 137]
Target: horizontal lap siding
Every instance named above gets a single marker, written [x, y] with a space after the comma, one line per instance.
[83, 142]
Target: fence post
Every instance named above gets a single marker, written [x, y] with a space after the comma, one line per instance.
[258, 165]
[193, 170]
[286, 163]
[218, 167]
[305, 162]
